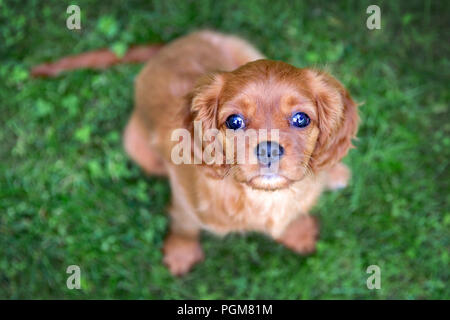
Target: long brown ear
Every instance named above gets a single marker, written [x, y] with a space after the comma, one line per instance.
[205, 99]
[337, 119]
[204, 102]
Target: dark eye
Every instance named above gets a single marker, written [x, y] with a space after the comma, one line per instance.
[300, 120]
[235, 122]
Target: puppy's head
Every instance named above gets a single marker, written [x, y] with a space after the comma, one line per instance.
[277, 123]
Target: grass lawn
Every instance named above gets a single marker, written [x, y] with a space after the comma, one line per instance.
[69, 194]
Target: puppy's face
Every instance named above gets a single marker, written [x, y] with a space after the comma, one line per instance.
[278, 123]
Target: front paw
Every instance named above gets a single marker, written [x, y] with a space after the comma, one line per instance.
[181, 253]
[338, 177]
[301, 235]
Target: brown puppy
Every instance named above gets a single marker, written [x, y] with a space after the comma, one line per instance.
[226, 84]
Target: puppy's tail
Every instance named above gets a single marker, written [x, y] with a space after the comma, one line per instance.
[98, 59]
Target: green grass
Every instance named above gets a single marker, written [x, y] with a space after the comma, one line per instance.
[69, 195]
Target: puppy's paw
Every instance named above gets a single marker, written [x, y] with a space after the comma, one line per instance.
[181, 254]
[338, 177]
[301, 235]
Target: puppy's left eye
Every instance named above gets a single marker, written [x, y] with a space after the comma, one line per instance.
[300, 120]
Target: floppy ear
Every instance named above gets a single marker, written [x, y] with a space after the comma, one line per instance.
[337, 120]
[204, 102]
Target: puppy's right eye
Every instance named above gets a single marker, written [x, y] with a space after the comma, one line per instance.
[235, 122]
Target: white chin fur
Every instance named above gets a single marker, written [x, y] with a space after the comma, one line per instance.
[269, 181]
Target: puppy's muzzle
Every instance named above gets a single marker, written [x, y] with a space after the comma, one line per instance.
[268, 152]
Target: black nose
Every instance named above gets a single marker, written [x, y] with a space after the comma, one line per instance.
[268, 152]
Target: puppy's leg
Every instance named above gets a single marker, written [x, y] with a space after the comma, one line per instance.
[338, 176]
[137, 144]
[301, 235]
[181, 253]
[182, 249]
